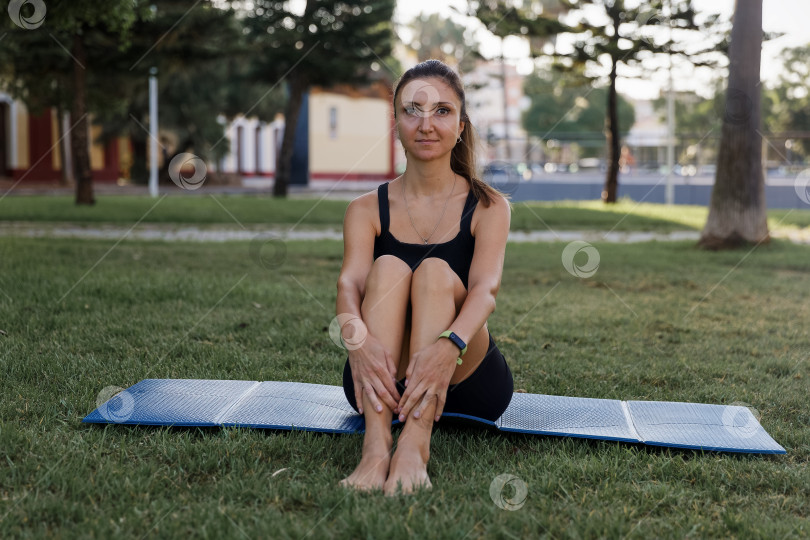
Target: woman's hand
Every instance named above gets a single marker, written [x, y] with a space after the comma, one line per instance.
[427, 379]
[374, 373]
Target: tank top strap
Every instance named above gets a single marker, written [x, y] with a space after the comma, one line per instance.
[382, 200]
[469, 209]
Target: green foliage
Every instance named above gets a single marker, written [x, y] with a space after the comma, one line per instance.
[196, 47]
[585, 107]
[331, 42]
[694, 114]
[198, 52]
[608, 33]
[787, 103]
[36, 65]
[433, 36]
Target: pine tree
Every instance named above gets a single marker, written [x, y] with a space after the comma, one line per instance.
[331, 42]
[619, 33]
[61, 42]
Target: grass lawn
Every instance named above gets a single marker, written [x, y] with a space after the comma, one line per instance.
[658, 321]
[228, 210]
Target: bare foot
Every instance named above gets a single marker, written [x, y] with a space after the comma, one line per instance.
[408, 472]
[371, 472]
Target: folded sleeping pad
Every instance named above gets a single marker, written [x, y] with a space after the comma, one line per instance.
[318, 407]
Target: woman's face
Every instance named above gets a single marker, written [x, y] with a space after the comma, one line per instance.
[428, 118]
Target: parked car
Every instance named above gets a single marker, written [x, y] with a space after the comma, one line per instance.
[500, 172]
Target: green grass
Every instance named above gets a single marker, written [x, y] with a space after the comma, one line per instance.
[659, 321]
[228, 210]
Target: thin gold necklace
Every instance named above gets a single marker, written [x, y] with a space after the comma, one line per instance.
[425, 240]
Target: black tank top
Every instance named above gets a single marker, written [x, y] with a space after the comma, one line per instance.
[458, 252]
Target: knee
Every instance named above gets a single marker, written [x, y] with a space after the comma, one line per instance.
[433, 275]
[388, 272]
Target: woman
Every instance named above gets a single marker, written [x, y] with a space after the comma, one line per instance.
[422, 266]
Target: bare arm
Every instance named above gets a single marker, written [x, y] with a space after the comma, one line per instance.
[373, 368]
[486, 270]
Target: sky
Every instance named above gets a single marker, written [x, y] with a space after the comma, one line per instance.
[789, 17]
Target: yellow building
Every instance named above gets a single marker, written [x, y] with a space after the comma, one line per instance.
[32, 147]
[344, 134]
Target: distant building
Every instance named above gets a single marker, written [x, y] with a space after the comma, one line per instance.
[344, 134]
[499, 126]
[647, 139]
[32, 148]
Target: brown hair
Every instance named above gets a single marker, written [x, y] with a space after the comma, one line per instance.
[462, 157]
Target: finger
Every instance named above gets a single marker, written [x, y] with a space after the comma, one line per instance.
[402, 400]
[390, 386]
[392, 367]
[372, 397]
[424, 404]
[409, 370]
[384, 394]
[358, 397]
[440, 407]
[409, 404]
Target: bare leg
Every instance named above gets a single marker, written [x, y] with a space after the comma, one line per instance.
[434, 290]
[384, 308]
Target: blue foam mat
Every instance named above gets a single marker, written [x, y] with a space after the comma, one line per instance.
[318, 407]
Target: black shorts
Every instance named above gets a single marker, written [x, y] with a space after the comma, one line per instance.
[486, 393]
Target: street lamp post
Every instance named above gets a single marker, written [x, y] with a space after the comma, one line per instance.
[153, 133]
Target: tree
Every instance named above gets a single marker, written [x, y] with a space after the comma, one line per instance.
[436, 37]
[198, 50]
[70, 26]
[786, 106]
[737, 212]
[585, 117]
[331, 42]
[608, 31]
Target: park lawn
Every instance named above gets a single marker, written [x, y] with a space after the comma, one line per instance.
[236, 210]
[658, 321]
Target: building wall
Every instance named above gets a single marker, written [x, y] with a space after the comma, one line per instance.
[22, 161]
[350, 137]
[255, 151]
[33, 147]
[485, 105]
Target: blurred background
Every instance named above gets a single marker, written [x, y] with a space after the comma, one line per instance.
[101, 93]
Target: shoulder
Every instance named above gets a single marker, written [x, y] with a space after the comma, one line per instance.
[364, 209]
[498, 213]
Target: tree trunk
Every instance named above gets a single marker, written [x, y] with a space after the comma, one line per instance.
[612, 139]
[139, 173]
[737, 213]
[81, 154]
[291, 112]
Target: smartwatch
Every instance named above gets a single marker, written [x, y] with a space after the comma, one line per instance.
[457, 341]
